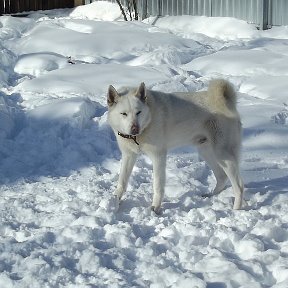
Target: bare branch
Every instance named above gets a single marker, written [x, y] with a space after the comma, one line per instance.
[131, 8]
[135, 9]
[122, 10]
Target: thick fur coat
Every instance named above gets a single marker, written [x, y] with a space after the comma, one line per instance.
[154, 122]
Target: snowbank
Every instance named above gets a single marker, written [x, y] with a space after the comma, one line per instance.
[224, 28]
[129, 40]
[267, 86]
[39, 63]
[7, 61]
[59, 159]
[240, 63]
[77, 112]
[12, 27]
[91, 80]
[98, 10]
[6, 118]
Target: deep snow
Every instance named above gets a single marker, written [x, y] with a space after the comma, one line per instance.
[59, 160]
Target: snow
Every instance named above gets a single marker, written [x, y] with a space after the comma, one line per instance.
[224, 28]
[59, 159]
[100, 10]
[6, 118]
[36, 64]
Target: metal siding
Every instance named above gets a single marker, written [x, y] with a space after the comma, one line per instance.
[279, 15]
[252, 11]
[153, 8]
[198, 7]
[243, 9]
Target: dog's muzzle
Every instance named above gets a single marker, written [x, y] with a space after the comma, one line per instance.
[135, 129]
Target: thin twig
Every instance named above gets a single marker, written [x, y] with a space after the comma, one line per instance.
[122, 10]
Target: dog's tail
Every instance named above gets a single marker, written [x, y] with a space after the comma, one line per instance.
[223, 95]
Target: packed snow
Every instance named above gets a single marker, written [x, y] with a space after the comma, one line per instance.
[59, 160]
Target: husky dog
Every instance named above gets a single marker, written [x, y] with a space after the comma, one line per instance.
[153, 122]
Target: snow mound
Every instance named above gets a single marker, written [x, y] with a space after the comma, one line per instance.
[61, 225]
[224, 28]
[36, 64]
[7, 61]
[100, 10]
[240, 63]
[12, 27]
[130, 39]
[91, 79]
[276, 32]
[266, 87]
[78, 112]
[6, 118]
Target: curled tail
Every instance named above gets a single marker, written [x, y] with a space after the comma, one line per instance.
[222, 95]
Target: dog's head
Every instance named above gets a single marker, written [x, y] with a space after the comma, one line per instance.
[128, 112]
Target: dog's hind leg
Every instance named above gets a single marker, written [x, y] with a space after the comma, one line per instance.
[127, 164]
[208, 155]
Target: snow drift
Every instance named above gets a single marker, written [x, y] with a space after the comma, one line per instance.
[59, 159]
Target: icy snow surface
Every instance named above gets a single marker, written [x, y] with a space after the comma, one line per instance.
[59, 160]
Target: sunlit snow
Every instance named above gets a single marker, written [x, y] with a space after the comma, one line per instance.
[59, 160]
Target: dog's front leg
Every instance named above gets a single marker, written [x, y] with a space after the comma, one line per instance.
[127, 164]
[159, 179]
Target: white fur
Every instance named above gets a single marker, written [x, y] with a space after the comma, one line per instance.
[206, 119]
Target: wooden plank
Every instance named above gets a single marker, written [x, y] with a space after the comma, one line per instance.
[69, 3]
[1, 7]
[15, 6]
[54, 4]
[36, 5]
[40, 5]
[78, 2]
[27, 6]
[33, 5]
[45, 4]
[22, 6]
[7, 6]
[57, 4]
[51, 4]
[64, 3]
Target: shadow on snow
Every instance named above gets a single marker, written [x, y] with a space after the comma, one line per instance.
[39, 146]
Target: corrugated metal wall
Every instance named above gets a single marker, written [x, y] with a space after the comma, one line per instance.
[263, 13]
[279, 12]
[185, 7]
[249, 10]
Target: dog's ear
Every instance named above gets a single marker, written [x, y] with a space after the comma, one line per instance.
[112, 96]
[141, 92]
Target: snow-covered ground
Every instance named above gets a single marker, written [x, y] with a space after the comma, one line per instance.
[59, 159]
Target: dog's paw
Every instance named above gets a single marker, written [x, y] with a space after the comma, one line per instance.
[156, 210]
[118, 193]
[243, 205]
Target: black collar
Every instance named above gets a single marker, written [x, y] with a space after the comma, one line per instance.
[132, 137]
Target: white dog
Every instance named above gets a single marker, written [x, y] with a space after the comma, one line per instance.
[153, 122]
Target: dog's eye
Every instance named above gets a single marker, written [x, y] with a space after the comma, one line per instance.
[138, 113]
[124, 114]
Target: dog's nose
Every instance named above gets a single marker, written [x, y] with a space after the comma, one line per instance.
[135, 129]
